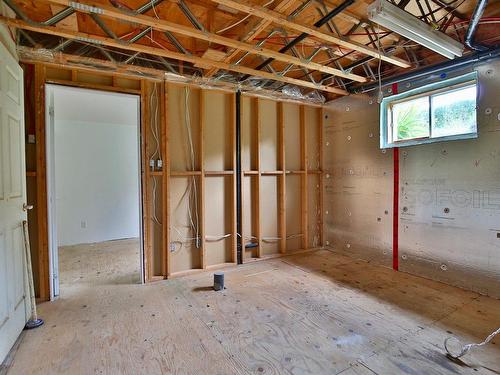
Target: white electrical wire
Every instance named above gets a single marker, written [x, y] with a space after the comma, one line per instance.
[217, 238]
[155, 218]
[154, 123]
[187, 119]
[456, 352]
[154, 9]
[242, 20]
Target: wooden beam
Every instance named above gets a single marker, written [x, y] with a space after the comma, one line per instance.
[146, 184]
[257, 126]
[165, 238]
[203, 249]
[162, 25]
[96, 39]
[281, 20]
[88, 64]
[234, 177]
[304, 167]
[41, 185]
[281, 180]
[166, 176]
[254, 32]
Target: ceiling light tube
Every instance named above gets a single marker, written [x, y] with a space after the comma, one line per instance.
[396, 19]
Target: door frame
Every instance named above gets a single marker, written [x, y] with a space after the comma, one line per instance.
[51, 179]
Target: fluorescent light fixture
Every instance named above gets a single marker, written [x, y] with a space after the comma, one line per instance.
[396, 19]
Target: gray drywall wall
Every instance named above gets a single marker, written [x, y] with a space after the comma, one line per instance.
[449, 197]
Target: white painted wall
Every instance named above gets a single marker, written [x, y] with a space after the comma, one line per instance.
[96, 165]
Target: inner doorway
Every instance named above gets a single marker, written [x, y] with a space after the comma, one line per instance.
[94, 192]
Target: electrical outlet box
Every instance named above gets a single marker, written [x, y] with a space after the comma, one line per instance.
[172, 246]
[83, 224]
[159, 164]
[152, 164]
[31, 139]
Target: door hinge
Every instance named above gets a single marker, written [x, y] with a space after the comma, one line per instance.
[51, 111]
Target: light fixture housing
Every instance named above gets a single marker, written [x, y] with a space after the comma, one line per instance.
[396, 19]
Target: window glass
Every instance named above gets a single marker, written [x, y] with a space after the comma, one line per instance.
[440, 111]
[411, 119]
[454, 112]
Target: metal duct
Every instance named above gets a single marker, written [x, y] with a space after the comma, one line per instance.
[448, 65]
[474, 22]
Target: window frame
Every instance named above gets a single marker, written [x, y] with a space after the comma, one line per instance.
[430, 90]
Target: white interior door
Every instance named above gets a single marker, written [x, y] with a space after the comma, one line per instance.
[13, 296]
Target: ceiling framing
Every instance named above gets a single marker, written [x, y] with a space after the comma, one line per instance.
[307, 49]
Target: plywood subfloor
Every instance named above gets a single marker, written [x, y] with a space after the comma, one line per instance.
[101, 263]
[312, 313]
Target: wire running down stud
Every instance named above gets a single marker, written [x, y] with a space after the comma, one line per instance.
[456, 350]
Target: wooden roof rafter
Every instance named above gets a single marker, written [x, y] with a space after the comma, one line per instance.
[135, 47]
[313, 31]
[167, 26]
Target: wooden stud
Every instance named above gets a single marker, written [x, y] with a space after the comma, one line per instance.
[41, 184]
[166, 176]
[257, 222]
[280, 19]
[165, 238]
[281, 180]
[202, 180]
[321, 116]
[304, 182]
[146, 179]
[234, 177]
[97, 39]
[93, 86]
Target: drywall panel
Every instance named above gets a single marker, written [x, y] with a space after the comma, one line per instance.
[184, 127]
[184, 192]
[217, 131]
[269, 214]
[268, 135]
[293, 212]
[450, 202]
[218, 214]
[291, 118]
[358, 181]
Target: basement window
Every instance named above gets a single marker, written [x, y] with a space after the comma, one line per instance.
[437, 112]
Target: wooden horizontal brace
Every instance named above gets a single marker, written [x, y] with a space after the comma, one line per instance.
[100, 40]
[281, 20]
[163, 25]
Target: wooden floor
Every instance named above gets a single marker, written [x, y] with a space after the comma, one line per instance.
[312, 313]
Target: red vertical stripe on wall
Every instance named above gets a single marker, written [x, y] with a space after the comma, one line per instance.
[395, 209]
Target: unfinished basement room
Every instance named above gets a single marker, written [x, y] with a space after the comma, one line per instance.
[232, 187]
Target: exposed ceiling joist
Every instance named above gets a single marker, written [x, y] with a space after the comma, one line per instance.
[162, 25]
[99, 40]
[259, 27]
[280, 19]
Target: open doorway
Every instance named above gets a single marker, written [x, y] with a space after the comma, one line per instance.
[93, 177]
